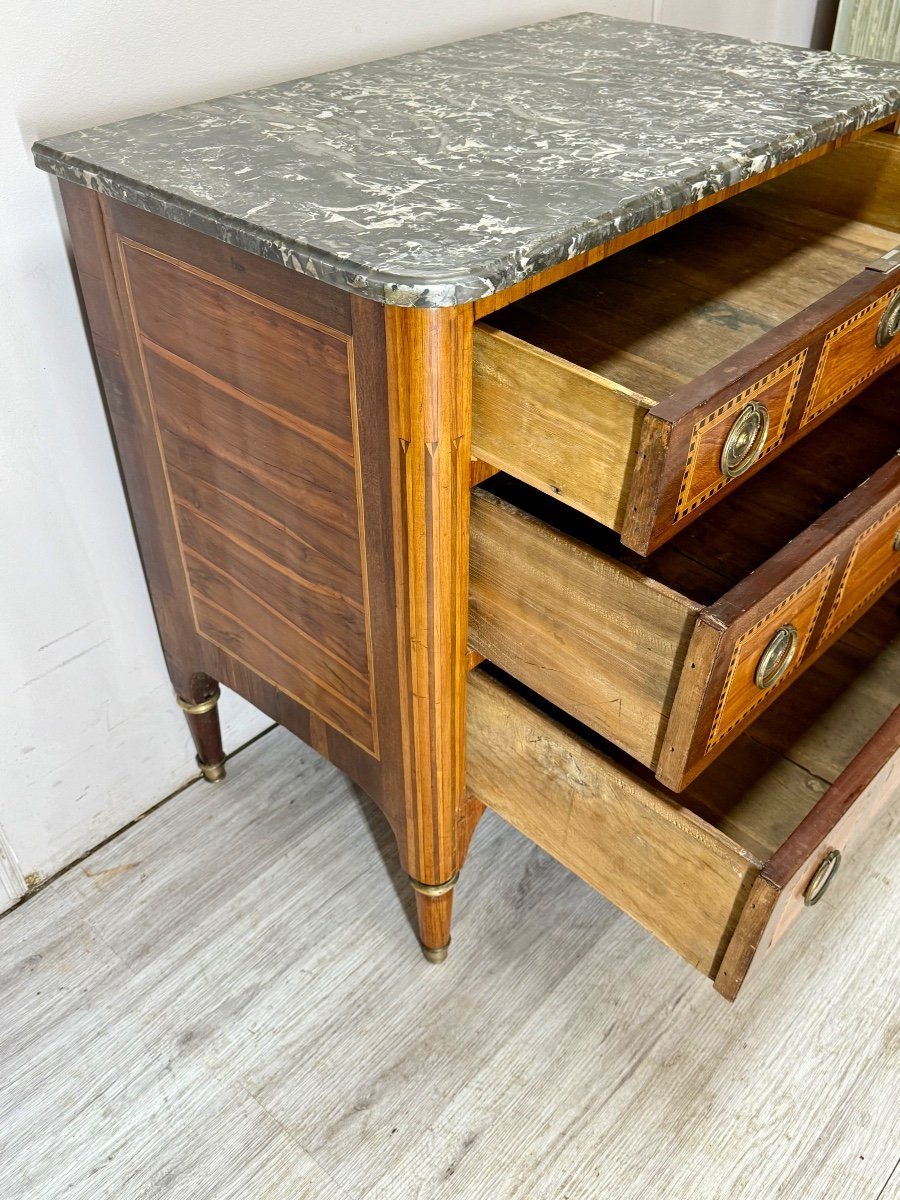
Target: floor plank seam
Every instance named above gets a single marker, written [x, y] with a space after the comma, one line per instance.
[888, 1180]
[289, 1133]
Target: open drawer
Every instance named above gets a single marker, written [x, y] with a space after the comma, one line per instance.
[720, 872]
[644, 389]
[671, 656]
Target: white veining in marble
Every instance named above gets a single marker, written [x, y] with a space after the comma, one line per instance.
[439, 177]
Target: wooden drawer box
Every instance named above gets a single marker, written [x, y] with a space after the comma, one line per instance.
[671, 657]
[645, 389]
[720, 872]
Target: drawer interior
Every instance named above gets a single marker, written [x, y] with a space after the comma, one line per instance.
[683, 865]
[557, 601]
[656, 315]
[620, 388]
[725, 545]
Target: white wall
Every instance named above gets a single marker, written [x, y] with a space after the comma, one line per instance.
[789, 21]
[90, 736]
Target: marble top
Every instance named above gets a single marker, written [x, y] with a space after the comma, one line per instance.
[440, 177]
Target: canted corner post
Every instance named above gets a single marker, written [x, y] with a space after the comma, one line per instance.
[429, 370]
[200, 707]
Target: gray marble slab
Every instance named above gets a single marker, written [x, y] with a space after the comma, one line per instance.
[440, 177]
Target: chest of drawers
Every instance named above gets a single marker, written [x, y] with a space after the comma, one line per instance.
[516, 424]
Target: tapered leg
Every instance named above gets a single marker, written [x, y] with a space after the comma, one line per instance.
[434, 909]
[202, 713]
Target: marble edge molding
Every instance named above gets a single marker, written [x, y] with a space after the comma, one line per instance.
[458, 288]
[481, 279]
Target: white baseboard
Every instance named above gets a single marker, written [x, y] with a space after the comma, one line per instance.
[12, 882]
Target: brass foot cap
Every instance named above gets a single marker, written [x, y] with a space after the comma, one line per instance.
[212, 772]
[435, 954]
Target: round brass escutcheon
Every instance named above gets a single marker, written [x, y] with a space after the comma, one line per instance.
[889, 323]
[825, 872]
[777, 657]
[745, 440]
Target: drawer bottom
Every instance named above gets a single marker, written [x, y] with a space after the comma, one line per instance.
[718, 872]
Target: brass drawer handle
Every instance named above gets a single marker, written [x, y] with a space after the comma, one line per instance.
[889, 323]
[896, 545]
[746, 439]
[777, 657]
[825, 872]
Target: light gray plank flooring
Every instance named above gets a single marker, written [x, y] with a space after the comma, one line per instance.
[227, 1001]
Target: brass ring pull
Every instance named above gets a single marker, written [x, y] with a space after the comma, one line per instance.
[825, 872]
[745, 440]
[777, 657]
[889, 323]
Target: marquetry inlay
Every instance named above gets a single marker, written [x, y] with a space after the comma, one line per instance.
[740, 695]
[255, 416]
[849, 357]
[703, 473]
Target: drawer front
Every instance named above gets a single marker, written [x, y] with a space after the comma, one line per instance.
[752, 644]
[873, 563]
[754, 405]
[802, 870]
[774, 392]
[852, 353]
[743, 689]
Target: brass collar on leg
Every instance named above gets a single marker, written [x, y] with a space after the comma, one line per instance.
[435, 889]
[204, 706]
[211, 772]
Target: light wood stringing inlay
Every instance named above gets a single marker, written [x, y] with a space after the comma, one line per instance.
[284, 594]
[703, 473]
[849, 357]
[872, 563]
[740, 695]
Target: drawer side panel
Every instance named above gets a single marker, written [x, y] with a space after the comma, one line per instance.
[555, 425]
[597, 639]
[656, 861]
[248, 409]
[258, 403]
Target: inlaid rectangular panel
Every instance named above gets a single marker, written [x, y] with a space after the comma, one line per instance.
[874, 562]
[703, 475]
[850, 356]
[740, 695]
[254, 408]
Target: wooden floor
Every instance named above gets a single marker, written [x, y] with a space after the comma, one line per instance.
[226, 1001]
